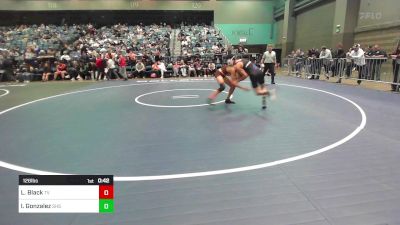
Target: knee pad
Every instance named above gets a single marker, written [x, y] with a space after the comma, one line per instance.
[221, 87]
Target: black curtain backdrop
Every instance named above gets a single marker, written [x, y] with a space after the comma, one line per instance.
[106, 17]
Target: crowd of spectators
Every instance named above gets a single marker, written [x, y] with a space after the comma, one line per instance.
[78, 52]
[340, 62]
[195, 67]
[200, 40]
[18, 38]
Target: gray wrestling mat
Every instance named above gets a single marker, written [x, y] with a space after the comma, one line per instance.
[320, 154]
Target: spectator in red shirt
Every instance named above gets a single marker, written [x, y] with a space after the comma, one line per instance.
[156, 69]
[61, 70]
[122, 66]
[176, 68]
[100, 65]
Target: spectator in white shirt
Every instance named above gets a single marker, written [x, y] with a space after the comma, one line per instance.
[359, 59]
[325, 53]
[29, 54]
[140, 69]
[215, 47]
[112, 69]
[162, 67]
[326, 56]
[183, 68]
[269, 61]
[349, 65]
[211, 68]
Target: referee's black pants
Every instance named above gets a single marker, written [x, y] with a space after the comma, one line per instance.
[270, 67]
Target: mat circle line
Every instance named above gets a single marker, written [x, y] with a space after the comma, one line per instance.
[359, 128]
[176, 106]
[6, 92]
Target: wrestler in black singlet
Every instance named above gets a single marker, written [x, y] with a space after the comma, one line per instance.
[255, 74]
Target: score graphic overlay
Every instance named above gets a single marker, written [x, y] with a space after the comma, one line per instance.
[66, 194]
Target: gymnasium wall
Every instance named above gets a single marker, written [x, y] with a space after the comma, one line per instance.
[314, 26]
[378, 23]
[378, 12]
[387, 38]
[278, 33]
[251, 19]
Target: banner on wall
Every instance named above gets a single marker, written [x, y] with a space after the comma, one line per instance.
[255, 34]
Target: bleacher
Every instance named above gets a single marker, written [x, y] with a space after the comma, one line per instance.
[67, 42]
[41, 37]
[205, 36]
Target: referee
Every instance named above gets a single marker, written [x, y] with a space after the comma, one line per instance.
[269, 60]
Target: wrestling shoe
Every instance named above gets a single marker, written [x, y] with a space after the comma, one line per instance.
[229, 101]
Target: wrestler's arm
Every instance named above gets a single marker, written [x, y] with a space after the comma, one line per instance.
[235, 79]
[243, 74]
